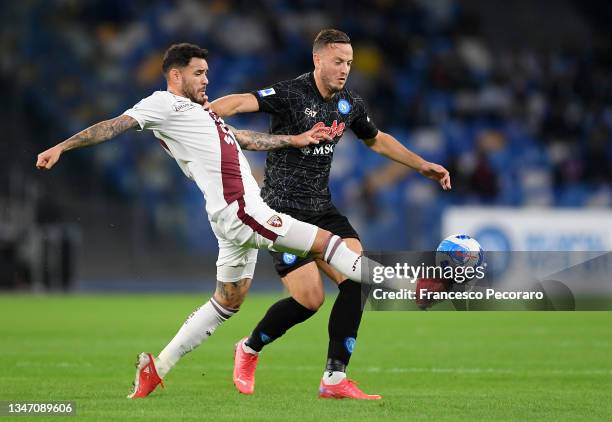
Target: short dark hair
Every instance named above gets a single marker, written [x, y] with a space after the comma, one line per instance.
[179, 55]
[329, 36]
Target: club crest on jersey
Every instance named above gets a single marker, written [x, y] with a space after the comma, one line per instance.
[275, 221]
[266, 92]
[344, 107]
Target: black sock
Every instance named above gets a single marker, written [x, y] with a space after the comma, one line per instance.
[344, 321]
[281, 316]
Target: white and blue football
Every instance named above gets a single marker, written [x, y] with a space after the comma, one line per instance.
[459, 250]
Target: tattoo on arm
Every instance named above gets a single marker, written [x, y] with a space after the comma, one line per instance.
[100, 132]
[257, 141]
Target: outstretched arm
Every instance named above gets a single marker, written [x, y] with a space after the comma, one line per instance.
[257, 141]
[387, 146]
[93, 135]
[235, 103]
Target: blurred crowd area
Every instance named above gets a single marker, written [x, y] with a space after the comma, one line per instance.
[515, 98]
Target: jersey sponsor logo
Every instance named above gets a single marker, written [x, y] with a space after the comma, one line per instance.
[275, 221]
[266, 92]
[183, 106]
[310, 112]
[335, 130]
[325, 149]
[344, 106]
[289, 258]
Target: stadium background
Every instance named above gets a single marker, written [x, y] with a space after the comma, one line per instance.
[514, 99]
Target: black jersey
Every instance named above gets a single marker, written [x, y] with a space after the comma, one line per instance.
[298, 178]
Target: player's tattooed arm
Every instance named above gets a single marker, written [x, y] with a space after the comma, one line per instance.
[231, 294]
[257, 141]
[100, 132]
[93, 135]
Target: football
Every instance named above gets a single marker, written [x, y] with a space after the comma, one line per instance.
[459, 250]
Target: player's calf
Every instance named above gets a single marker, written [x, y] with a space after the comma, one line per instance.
[231, 294]
[281, 316]
[203, 322]
[334, 251]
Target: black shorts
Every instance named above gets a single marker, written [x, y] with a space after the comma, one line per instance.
[330, 220]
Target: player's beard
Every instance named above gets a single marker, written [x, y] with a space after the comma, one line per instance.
[333, 87]
[194, 95]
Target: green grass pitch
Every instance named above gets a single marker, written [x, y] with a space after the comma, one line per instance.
[428, 365]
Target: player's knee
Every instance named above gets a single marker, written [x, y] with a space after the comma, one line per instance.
[339, 279]
[316, 303]
[312, 300]
[320, 243]
[232, 302]
[232, 294]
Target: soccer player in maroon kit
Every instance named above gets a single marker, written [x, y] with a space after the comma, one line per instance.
[210, 153]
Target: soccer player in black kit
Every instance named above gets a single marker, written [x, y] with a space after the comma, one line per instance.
[296, 183]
